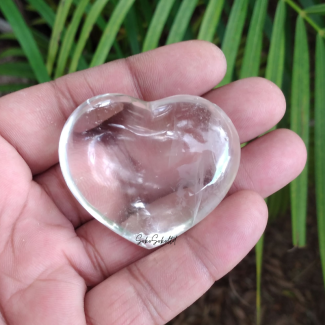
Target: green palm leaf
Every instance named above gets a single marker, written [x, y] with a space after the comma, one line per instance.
[60, 19]
[275, 60]
[250, 67]
[44, 10]
[259, 259]
[300, 98]
[232, 36]
[110, 32]
[157, 24]
[49, 16]
[319, 144]
[101, 23]
[132, 31]
[146, 9]
[274, 72]
[181, 21]
[9, 88]
[17, 69]
[253, 49]
[25, 38]
[11, 52]
[317, 9]
[91, 19]
[69, 38]
[211, 20]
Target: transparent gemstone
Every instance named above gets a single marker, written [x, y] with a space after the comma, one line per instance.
[149, 170]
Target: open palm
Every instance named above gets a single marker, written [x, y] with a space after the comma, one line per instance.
[58, 265]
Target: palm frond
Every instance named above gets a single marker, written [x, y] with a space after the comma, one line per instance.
[60, 19]
[92, 16]
[69, 37]
[253, 49]
[181, 21]
[232, 37]
[26, 39]
[210, 20]
[110, 32]
[44, 10]
[319, 144]
[317, 9]
[300, 101]
[157, 24]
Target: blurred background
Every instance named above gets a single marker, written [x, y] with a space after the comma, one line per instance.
[281, 280]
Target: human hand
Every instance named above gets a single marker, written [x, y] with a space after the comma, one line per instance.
[58, 265]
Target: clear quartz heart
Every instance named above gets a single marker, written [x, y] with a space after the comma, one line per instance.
[149, 170]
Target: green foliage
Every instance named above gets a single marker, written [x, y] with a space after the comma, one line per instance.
[157, 24]
[110, 32]
[12, 87]
[210, 20]
[275, 60]
[17, 69]
[131, 26]
[44, 10]
[90, 20]
[259, 259]
[318, 9]
[250, 67]
[60, 19]
[14, 51]
[232, 37]
[25, 38]
[181, 21]
[69, 37]
[319, 143]
[255, 40]
[300, 102]
[274, 72]
[253, 49]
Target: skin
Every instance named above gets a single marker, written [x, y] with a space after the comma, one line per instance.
[58, 265]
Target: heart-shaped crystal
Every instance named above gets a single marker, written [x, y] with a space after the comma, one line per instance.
[149, 170]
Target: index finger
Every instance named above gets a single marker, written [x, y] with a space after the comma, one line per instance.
[32, 119]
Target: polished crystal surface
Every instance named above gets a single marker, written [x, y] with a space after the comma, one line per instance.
[149, 170]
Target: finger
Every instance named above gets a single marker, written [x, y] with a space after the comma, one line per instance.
[254, 105]
[32, 119]
[156, 288]
[270, 162]
[267, 164]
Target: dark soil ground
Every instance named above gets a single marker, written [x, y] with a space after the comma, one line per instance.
[292, 286]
